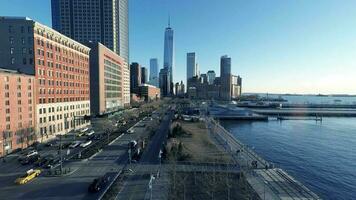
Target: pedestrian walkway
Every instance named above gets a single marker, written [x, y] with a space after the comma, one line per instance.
[268, 182]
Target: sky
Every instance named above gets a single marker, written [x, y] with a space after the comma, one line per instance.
[276, 46]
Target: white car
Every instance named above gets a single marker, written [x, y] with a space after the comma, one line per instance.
[85, 144]
[74, 144]
[130, 131]
[84, 130]
[31, 153]
[90, 133]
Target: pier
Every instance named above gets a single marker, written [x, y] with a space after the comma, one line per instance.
[263, 177]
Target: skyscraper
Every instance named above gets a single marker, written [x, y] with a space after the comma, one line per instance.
[225, 65]
[154, 72]
[168, 62]
[191, 65]
[144, 75]
[164, 82]
[211, 76]
[135, 77]
[104, 21]
[225, 77]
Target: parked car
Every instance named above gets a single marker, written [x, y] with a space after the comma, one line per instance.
[85, 144]
[74, 144]
[30, 174]
[98, 184]
[130, 131]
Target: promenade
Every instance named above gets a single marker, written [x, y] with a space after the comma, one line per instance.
[267, 181]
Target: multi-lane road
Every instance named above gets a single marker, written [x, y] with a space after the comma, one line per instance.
[136, 187]
[75, 184]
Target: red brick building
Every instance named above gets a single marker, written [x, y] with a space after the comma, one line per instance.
[61, 69]
[17, 110]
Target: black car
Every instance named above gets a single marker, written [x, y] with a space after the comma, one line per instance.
[52, 163]
[98, 184]
[51, 143]
[30, 160]
[43, 161]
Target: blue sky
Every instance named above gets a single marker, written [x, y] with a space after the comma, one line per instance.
[277, 46]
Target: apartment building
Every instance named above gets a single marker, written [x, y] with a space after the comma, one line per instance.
[17, 110]
[61, 69]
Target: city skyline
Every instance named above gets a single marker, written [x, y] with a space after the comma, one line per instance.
[273, 49]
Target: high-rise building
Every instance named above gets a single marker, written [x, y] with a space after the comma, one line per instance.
[225, 65]
[61, 68]
[168, 61]
[211, 76]
[154, 72]
[106, 79]
[144, 75]
[164, 84]
[204, 78]
[236, 82]
[180, 89]
[192, 66]
[17, 111]
[104, 21]
[135, 77]
[225, 78]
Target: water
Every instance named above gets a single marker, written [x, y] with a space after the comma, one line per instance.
[313, 99]
[322, 156]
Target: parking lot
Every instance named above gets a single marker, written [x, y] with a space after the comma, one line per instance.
[109, 159]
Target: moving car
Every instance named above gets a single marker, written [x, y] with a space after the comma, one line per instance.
[31, 153]
[74, 144]
[85, 144]
[30, 174]
[42, 161]
[52, 163]
[30, 160]
[98, 184]
[51, 143]
[84, 130]
[89, 133]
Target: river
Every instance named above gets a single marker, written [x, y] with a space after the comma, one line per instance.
[321, 155]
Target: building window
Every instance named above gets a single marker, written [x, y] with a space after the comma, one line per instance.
[12, 50]
[12, 60]
[10, 29]
[7, 118]
[11, 39]
[24, 50]
[24, 61]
